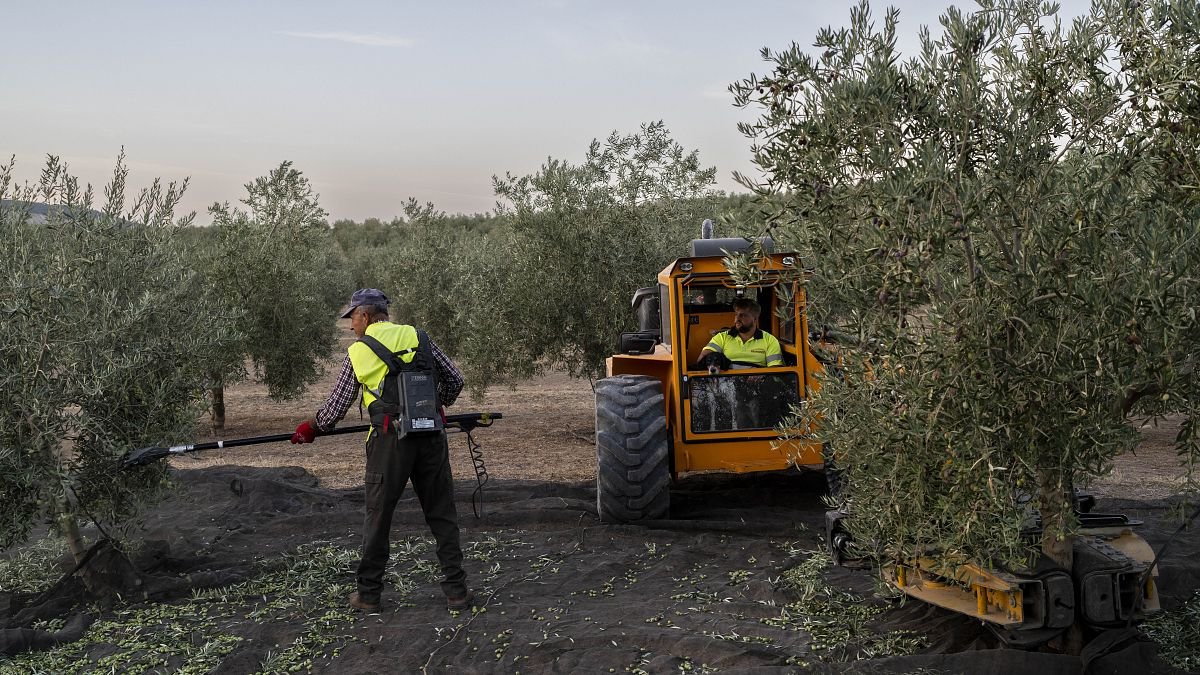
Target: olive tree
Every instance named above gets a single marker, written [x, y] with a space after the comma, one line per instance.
[417, 266]
[278, 273]
[105, 345]
[1006, 220]
[580, 239]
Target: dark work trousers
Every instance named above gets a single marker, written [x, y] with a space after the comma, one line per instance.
[390, 463]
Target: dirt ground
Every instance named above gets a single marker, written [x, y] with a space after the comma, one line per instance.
[246, 568]
[1153, 470]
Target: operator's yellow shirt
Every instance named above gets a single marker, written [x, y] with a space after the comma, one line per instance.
[761, 350]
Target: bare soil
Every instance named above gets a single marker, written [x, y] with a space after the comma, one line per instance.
[1153, 470]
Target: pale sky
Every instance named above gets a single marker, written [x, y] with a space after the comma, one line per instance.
[380, 101]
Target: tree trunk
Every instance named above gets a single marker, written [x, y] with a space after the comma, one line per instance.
[218, 405]
[70, 531]
[1056, 508]
[75, 544]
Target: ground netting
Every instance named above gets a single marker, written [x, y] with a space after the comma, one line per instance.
[247, 569]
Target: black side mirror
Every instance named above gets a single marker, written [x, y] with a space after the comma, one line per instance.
[639, 343]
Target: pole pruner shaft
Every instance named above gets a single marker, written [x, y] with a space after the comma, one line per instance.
[462, 422]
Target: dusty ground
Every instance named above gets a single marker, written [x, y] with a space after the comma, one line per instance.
[1152, 470]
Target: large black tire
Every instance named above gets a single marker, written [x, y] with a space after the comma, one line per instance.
[633, 475]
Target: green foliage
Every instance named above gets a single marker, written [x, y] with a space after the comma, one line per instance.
[277, 271]
[422, 267]
[1177, 632]
[546, 281]
[105, 342]
[194, 636]
[368, 246]
[582, 238]
[421, 261]
[838, 621]
[33, 568]
[1006, 223]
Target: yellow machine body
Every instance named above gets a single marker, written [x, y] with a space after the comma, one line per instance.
[695, 296]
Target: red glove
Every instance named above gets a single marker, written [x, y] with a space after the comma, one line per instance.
[305, 433]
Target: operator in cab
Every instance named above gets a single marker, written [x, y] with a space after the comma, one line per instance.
[743, 346]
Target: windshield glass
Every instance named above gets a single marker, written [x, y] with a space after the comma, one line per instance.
[712, 298]
[729, 402]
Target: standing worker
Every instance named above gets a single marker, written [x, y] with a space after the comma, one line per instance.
[392, 460]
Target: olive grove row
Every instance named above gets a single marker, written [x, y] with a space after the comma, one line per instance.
[1008, 221]
[124, 321]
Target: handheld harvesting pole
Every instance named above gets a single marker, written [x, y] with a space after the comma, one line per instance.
[463, 422]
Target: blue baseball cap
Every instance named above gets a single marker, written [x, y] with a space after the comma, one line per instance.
[365, 296]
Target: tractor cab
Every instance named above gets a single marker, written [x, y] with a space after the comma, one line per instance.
[695, 419]
[738, 398]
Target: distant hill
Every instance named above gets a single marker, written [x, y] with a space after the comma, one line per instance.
[38, 211]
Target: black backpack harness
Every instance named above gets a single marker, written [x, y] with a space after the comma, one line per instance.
[407, 399]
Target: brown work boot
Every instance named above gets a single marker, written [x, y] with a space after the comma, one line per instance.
[358, 602]
[461, 603]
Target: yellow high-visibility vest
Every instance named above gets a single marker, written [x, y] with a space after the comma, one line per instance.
[762, 349]
[369, 369]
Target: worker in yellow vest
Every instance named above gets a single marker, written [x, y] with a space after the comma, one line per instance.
[745, 345]
[394, 455]
[724, 403]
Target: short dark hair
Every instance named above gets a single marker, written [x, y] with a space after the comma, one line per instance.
[375, 311]
[748, 304]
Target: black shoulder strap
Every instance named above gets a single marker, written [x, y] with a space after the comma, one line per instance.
[389, 358]
[423, 346]
[384, 354]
